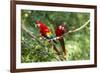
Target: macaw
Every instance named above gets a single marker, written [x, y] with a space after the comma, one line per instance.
[60, 31]
[46, 33]
[44, 30]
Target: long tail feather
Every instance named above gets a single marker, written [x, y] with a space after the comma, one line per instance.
[63, 45]
[54, 47]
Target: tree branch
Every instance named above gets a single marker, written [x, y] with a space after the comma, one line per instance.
[28, 32]
[32, 35]
[71, 31]
[79, 27]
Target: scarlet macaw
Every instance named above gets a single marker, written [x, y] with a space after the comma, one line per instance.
[45, 32]
[60, 30]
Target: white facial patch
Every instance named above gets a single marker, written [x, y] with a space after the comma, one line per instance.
[38, 24]
[60, 27]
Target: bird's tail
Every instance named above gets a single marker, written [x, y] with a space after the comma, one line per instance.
[63, 46]
[57, 51]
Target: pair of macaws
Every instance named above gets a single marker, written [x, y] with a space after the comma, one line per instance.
[46, 32]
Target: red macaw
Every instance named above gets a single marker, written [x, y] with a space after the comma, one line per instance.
[45, 32]
[60, 30]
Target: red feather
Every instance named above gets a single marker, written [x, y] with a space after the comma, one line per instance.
[43, 28]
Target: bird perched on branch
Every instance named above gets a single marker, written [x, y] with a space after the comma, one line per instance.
[46, 33]
[60, 31]
[44, 30]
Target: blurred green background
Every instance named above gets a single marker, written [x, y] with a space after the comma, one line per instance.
[37, 50]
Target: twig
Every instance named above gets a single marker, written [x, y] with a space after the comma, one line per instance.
[32, 35]
[79, 27]
[28, 32]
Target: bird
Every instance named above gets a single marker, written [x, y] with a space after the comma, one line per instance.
[44, 30]
[46, 33]
[60, 31]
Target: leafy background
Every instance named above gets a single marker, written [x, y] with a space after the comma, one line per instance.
[37, 50]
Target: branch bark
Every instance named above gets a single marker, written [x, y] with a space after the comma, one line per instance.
[28, 32]
[79, 27]
[32, 35]
[71, 31]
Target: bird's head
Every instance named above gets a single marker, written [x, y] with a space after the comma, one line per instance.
[63, 27]
[38, 23]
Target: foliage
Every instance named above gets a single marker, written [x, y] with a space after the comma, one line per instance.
[39, 50]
